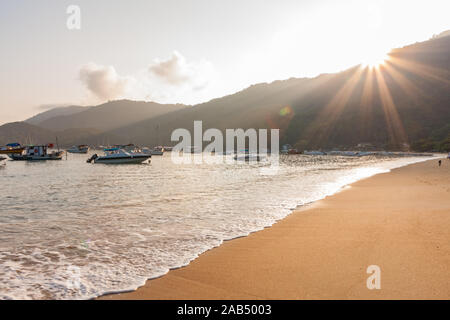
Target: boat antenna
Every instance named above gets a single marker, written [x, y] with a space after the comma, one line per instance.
[157, 135]
[57, 144]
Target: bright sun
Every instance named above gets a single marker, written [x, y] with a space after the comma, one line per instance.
[374, 59]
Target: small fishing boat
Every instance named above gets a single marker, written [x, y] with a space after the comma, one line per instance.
[12, 148]
[168, 149]
[158, 151]
[37, 153]
[120, 156]
[79, 149]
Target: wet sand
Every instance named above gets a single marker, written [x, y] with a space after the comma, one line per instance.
[399, 221]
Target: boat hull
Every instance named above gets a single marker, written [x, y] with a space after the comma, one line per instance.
[47, 157]
[12, 151]
[122, 160]
[78, 151]
[28, 158]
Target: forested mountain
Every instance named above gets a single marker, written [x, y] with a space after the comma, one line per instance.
[403, 102]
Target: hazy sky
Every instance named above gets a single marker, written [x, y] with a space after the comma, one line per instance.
[190, 51]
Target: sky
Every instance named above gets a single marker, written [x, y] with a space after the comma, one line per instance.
[190, 51]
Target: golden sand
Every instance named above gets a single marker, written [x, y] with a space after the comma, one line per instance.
[399, 221]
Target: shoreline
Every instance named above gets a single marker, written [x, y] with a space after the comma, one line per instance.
[194, 281]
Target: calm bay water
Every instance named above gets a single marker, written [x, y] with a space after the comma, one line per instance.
[72, 230]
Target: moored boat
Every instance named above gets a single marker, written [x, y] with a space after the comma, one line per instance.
[158, 151]
[79, 149]
[120, 156]
[12, 148]
[37, 153]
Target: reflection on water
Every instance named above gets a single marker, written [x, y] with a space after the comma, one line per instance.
[69, 229]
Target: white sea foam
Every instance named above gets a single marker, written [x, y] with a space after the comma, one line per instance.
[69, 230]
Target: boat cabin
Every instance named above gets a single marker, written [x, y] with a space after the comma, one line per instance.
[36, 151]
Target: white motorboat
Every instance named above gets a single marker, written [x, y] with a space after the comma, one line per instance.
[147, 151]
[120, 156]
[79, 149]
[37, 153]
[157, 151]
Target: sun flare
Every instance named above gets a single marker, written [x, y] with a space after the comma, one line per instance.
[375, 59]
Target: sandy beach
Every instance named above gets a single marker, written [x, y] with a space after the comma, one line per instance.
[399, 221]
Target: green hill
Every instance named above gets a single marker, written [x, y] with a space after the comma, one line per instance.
[405, 102]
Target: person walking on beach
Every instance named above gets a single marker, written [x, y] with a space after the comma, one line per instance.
[440, 162]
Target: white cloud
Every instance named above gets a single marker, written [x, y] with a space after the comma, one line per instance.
[176, 71]
[170, 80]
[104, 82]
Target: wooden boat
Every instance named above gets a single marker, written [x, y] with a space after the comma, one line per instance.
[12, 148]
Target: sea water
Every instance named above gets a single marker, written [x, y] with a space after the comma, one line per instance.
[72, 230]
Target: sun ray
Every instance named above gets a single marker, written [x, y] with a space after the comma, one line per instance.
[396, 131]
[367, 98]
[325, 121]
[405, 84]
[422, 70]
